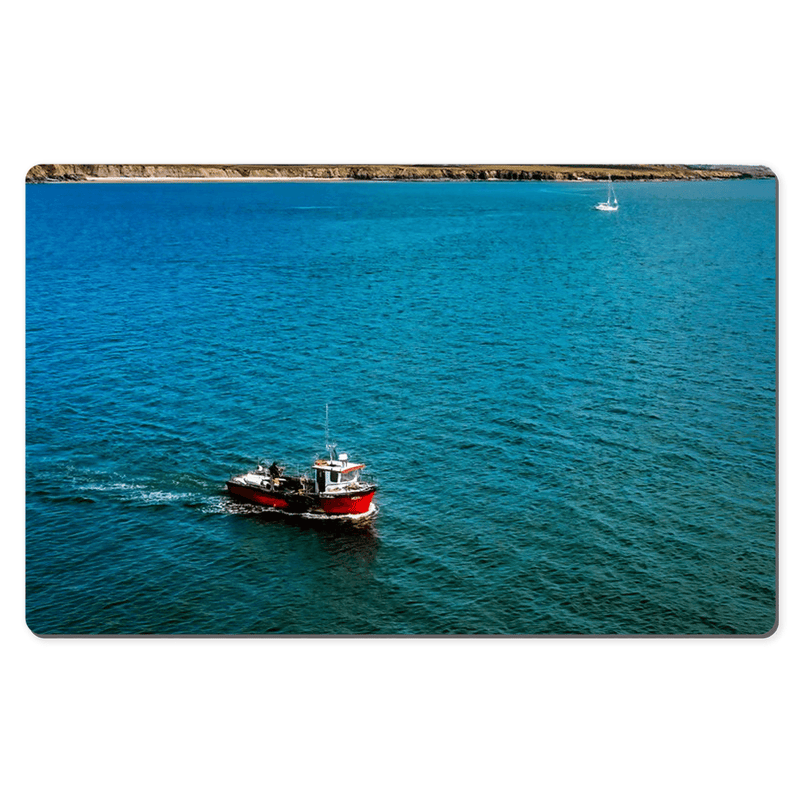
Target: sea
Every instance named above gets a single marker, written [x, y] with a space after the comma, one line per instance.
[570, 414]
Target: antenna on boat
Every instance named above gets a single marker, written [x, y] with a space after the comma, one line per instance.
[331, 448]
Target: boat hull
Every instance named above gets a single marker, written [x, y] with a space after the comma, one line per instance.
[262, 497]
[356, 503]
[347, 504]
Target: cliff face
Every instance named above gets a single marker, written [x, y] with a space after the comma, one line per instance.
[43, 173]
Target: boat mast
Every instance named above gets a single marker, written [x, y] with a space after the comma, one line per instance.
[331, 448]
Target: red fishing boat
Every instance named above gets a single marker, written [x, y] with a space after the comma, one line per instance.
[336, 489]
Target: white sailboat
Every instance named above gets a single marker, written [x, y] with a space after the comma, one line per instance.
[608, 205]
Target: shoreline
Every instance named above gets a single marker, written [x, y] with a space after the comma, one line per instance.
[388, 173]
[590, 181]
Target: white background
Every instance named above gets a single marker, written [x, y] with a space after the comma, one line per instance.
[313, 82]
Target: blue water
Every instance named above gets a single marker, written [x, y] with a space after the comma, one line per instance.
[570, 414]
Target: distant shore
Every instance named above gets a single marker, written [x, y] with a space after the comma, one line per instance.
[110, 173]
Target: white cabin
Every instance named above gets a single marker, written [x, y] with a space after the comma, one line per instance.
[337, 474]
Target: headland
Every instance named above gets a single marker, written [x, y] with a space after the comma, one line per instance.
[63, 173]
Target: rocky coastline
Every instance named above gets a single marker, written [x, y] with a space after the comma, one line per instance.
[62, 173]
